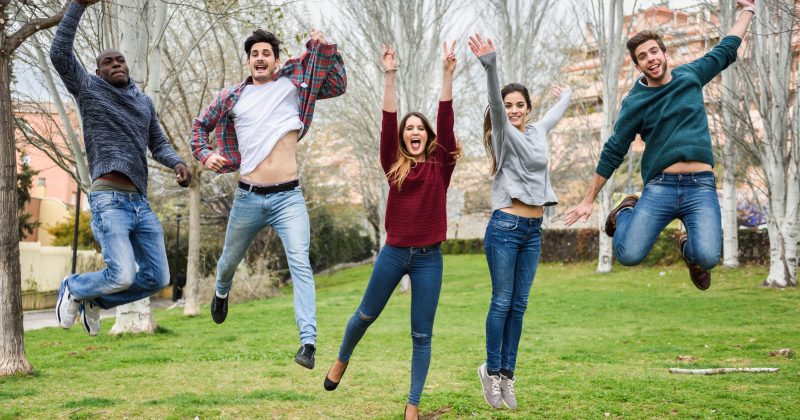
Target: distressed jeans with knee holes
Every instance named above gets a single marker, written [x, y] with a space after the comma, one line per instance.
[424, 267]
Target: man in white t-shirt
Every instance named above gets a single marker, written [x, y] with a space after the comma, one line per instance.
[258, 124]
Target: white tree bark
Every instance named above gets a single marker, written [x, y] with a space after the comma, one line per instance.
[771, 63]
[192, 289]
[608, 20]
[730, 155]
[136, 21]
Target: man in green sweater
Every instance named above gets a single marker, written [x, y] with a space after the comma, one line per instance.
[666, 108]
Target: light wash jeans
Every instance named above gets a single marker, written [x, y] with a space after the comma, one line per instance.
[424, 266]
[130, 235]
[512, 244]
[286, 213]
[690, 197]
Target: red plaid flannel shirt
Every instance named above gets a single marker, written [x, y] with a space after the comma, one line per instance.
[318, 73]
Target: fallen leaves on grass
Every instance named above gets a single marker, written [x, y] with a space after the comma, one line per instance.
[686, 358]
[782, 352]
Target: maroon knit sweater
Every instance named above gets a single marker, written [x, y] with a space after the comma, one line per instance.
[416, 214]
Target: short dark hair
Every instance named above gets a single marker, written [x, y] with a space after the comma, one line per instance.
[640, 39]
[260, 35]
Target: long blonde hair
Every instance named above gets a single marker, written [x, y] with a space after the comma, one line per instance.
[487, 120]
[402, 166]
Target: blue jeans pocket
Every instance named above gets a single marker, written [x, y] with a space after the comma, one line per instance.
[240, 193]
[504, 225]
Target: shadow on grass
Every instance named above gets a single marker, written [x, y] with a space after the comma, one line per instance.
[205, 400]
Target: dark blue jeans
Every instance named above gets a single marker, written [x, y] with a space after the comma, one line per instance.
[132, 242]
[512, 246]
[690, 197]
[424, 267]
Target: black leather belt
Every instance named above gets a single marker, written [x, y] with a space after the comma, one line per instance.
[269, 189]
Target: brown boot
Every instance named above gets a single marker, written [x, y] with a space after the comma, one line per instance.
[700, 276]
[611, 221]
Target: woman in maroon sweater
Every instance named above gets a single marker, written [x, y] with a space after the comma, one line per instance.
[418, 166]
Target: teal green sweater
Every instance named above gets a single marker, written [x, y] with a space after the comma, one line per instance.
[671, 118]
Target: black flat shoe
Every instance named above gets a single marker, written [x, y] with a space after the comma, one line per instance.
[331, 385]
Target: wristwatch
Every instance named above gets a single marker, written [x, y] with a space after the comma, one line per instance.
[750, 9]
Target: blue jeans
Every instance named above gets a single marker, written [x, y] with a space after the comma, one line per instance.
[424, 267]
[286, 213]
[512, 246]
[690, 197]
[132, 242]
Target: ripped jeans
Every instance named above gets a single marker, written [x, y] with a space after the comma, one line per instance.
[424, 267]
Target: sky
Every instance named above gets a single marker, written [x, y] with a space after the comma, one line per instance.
[33, 88]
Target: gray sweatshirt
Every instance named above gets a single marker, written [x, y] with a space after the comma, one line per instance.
[521, 157]
[119, 124]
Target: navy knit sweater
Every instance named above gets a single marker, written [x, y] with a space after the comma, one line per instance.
[119, 124]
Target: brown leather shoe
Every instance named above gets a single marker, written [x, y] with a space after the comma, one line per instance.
[611, 221]
[700, 276]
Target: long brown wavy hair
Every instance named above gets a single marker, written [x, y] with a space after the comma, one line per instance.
[402, 166]
[487, 121]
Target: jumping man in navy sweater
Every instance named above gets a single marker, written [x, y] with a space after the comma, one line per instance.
[666, 108]
[119, 126]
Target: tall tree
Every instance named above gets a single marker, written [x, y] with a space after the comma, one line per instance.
[769, 91]
[608, 31]
[18, 22]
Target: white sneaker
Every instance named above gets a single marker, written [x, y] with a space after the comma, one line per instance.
[491, 387]
[67, 307]
[90, 318]
[507, 391]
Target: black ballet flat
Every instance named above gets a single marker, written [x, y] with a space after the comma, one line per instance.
[331, 385]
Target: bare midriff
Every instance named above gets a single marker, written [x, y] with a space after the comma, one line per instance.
[279, 166]
[688, 166]
[117, 178]
[518, 208]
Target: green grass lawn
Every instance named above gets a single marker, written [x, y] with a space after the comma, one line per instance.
[592, 346]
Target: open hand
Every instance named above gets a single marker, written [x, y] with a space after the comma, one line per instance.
[449, 57]
[479, 47]
[182, 175]
[581, 212]
[388, 59]
[557, 91]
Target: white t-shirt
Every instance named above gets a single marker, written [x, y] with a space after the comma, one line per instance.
[262, 116]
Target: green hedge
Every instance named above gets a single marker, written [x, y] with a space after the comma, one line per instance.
[574, 245]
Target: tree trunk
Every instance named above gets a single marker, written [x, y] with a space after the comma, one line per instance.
[136, 28]
[12, 343]
[134, 318]
[192, 289]
[605, 243]
[730, 231]
[609, 20]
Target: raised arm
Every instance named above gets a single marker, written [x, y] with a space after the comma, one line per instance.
[335, 82]
[724, 54]
[485, 52]
[445, 120]
[743, 22]
[449, 67]
[554, 114]
[389, 62]
[71, 71]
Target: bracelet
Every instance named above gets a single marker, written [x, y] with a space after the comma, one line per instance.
[390, 70]
[750, 9]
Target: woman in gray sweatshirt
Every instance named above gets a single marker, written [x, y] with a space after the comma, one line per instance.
[520, 191]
